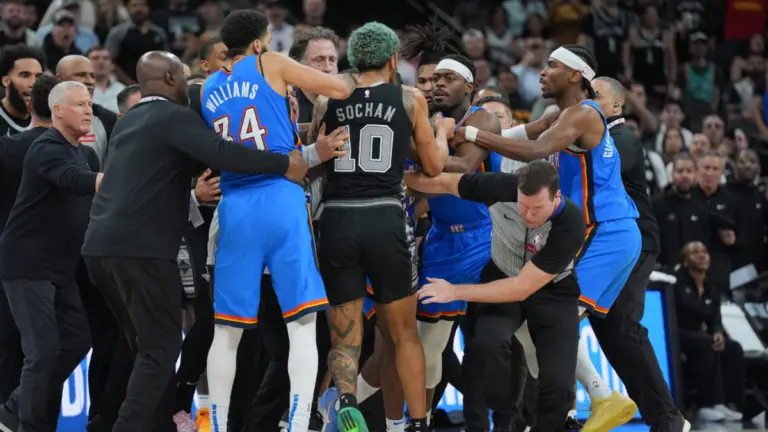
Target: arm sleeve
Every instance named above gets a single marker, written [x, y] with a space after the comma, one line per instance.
[191, 136]
[488, 188]
[564, 241]
[58, 166]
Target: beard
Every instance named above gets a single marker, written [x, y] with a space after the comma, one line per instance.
[15, 99]
[14, 24]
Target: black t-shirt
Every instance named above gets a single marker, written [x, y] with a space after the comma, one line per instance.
[380, 135]
[12, 152]
[633, 176]
[46, 226]
[567, 232]
[5, 40]
[157, 147]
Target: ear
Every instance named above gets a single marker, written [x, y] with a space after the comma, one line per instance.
[169, 79]
[204, 66]
[256, 46]
[6, 81]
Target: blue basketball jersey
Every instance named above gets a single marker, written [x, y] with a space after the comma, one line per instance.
[592, 179]
[242, 107]
[451, 210]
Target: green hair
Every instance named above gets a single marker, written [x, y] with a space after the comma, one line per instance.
[371, 46]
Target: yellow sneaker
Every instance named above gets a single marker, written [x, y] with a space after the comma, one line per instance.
[608, 413]
[203, 420]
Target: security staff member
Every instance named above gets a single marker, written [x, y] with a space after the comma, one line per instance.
[623, 339]
[527, 208]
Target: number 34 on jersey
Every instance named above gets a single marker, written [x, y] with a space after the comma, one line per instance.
[250, 129]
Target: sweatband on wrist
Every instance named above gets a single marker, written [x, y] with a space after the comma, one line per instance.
[311, 156]
[470, 133]
[517, 132]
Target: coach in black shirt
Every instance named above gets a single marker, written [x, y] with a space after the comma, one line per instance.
[623, 339]
[140, 214]
[39, 253]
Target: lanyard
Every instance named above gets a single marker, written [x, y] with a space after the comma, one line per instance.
[152, 98]
[618, 121]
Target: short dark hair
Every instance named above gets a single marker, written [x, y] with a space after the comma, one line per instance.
[9, 55]
[672, 101]
[207, 47]
[124, 95]
[301, 41]
[95, 48]
[494, 98]
[241, 28]
[681, 158]
[537, 175]
[41, 89]
[585, 54]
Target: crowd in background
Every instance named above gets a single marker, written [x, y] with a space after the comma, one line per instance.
[695, 70]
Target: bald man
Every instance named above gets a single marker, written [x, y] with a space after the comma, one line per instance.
[79, 68]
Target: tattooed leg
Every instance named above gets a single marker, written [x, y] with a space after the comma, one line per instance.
[345, 322]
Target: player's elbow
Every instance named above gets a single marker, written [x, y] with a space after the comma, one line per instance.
[432, 169]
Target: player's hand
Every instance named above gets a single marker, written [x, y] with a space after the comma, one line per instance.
[328, 146]
[718, 343]
[437, 291]
[297, 168]
[207, 188]
[445, 125]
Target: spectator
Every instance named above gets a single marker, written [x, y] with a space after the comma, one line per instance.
[672, 116]
[672, 147]
[649, 54]
[751, 212]
[682, 215]
[714, 127]
[471, 14]
[212, 15]
[127, 42]
[529, 69]
[107, 86]
[109, 13]
[128, 97]
[565, 20]
[714, 364]
[499, 37]
[182, 25]
[637, 102]
[699, 79]
[60, 42]
[14, 29]
[282, 32]
[84, 36]
[508, 84]
[746, 75]
[518, 12]
[84, 10]
[473, 42]
[700, 145]
[314, 12]
[606, 28]
[30, 15]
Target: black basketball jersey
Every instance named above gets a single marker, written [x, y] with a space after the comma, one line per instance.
[380, 134]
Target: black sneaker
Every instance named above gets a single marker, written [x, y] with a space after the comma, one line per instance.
[316, 422]
[9, 422]
[571, 424]
[672, 423]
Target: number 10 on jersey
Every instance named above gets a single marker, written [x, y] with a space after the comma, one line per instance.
[374, 150]
[250, 129]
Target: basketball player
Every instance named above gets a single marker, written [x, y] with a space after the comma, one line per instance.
[363, 228]
[590, 173]
[19, 67]
[263, 221]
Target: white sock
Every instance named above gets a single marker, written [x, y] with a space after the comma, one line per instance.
[302, 371]
[587, 375]
[364, 390]
[222, 361]
[396, 425]
[203, 402]
[429, 416]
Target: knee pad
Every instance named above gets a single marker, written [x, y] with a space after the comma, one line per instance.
[434, 338]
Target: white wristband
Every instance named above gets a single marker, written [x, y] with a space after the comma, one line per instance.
[470, 133]
[311, 156]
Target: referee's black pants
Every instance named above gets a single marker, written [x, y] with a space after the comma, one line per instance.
[553, 320]
[626, 346]
[55, 338]
[144, 295]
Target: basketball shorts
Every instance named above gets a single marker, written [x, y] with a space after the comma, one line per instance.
[367, 238]
[605, 261]
[266, 226]
[458, 254]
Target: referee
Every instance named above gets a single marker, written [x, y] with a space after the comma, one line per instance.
[527, 208]
[622, 338]
[139, 216]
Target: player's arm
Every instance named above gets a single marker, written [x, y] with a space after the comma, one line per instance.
[431, 147]
[313, 132]
[571, 125]
[468, 156]
[308, 79]
[487, 188]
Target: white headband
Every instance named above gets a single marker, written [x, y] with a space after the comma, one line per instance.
[453, 65]
[573, 61]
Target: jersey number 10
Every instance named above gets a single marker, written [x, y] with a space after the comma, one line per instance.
[250, 130]
[374, 150]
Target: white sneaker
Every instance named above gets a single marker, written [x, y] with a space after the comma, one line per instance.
[730, 415]
[710, 414]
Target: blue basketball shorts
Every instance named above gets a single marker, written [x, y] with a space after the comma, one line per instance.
[604, 263]
[265, 226]
[458, 254]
